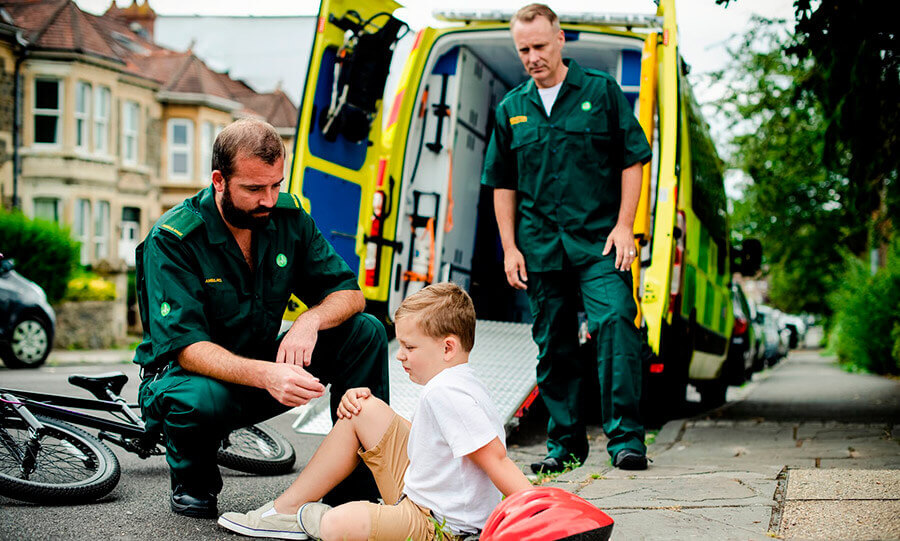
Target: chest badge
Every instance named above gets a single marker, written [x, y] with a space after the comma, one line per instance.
[586, 106]
[281, 260]
[164, 309]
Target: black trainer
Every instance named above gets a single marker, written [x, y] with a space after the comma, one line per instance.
[626, 459]
[548, 465]
[190, 505]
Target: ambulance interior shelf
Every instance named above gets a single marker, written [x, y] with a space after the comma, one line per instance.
[421, 256]
[360, 73]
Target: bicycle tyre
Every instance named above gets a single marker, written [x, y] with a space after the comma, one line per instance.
[257, 449]
[72, 465]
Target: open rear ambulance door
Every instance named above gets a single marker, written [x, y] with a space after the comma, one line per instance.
[665, 377]
[339, 129]
[662, 276]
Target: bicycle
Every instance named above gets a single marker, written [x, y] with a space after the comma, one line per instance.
[45, 459]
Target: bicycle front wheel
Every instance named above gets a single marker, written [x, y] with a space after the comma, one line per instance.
[69, 465]
[257, 449]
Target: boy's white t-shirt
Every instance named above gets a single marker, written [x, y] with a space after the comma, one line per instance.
[454, 417]
[548, 96]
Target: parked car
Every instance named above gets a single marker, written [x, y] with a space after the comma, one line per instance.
[27, 321]
[744, 349]
[775, 338]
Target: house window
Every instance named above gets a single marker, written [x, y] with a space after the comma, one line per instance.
[46, 208]
[130, 114]
[180, 138]
[82, 114]
[101, 230]
[206, 146]
[47, 93]
[81, 227]
[101, 120]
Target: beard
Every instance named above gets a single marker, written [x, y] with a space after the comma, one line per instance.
[243, 219]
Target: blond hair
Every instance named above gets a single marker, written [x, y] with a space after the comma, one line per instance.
[442, 309]
[532, 11]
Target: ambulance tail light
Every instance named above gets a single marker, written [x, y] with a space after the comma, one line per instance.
[373, 248]
[740, 326]
[678, 260]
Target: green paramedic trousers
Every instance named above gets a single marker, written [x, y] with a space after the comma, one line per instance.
[606, 294]
[196, 412]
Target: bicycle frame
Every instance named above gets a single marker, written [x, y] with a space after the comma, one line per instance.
[131, 436]
[57, 406]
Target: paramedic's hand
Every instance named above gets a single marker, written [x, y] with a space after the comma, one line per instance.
[351, 402]
[622, 237]
[298, 344]
[291, 385]
[514, 264]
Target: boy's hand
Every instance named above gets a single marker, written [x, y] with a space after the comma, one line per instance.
[351, 402]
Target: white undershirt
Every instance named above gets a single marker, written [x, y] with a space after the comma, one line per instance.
[548, 96]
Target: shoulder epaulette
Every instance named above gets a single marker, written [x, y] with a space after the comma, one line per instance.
[288, 201]
[180, 221]
[598, 73]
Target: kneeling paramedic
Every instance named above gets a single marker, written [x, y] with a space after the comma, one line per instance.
[213, 278]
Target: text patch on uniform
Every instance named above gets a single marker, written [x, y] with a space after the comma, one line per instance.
[517, 119]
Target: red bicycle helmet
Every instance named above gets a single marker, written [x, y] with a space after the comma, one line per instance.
[544, 514]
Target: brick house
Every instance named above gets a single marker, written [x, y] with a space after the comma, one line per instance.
[113, 129]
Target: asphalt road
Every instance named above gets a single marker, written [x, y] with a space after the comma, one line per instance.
[138, 508]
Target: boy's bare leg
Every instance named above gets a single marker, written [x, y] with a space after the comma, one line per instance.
[337, 456]
[347, 522]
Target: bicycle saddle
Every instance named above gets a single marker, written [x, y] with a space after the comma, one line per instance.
[98, 384]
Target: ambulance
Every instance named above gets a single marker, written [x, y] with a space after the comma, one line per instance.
[400, 197]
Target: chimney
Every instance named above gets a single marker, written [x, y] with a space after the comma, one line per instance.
[140, 17]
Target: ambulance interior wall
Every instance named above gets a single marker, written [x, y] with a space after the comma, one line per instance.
[447, 167]
[472, 76]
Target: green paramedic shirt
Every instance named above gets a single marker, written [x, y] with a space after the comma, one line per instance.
[194, 285]
[567, 168]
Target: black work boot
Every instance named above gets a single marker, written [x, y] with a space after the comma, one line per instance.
[626, 459]
[199, 505]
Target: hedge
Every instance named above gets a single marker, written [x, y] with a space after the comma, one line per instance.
[44, 252]
[90, 287]
[867, 315]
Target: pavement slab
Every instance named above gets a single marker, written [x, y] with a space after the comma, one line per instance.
[720, 523]
[819, 484]
[845, 520]
[705, 490]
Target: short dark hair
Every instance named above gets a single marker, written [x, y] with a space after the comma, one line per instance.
[532, 11]
[441, 310]
[244, 138]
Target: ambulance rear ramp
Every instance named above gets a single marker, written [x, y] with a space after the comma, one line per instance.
[504, 358]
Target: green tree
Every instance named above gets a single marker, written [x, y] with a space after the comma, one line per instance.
[795, 205]
[854, 54]
[856, 49]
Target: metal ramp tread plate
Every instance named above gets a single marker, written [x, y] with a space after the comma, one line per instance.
[504, 358]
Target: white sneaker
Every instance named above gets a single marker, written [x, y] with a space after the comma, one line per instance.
[309, 516]
[254, 524]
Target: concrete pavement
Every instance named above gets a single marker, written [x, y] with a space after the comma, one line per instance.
[764, 467]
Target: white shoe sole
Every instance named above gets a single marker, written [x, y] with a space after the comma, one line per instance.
[257, 532]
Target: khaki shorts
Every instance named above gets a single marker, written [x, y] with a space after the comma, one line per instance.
[398, 518]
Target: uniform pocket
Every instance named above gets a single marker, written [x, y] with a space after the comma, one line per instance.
[223, 300]
[588, 140]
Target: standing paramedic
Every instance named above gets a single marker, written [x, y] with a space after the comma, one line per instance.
[565, 163]
[213, 277]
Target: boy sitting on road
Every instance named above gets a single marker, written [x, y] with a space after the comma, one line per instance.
[448, 467]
